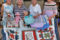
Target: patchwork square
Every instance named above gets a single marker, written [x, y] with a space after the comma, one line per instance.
[29, 35]
[47, 34]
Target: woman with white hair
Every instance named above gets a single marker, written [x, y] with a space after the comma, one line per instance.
[20, 8]
[35, 10]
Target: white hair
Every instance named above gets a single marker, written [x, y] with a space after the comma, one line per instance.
[17, 1]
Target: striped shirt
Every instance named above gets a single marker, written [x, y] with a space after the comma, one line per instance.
[20, 10]
[50, 8]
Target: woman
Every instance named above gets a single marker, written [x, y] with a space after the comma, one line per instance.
[20, 8]
[6, 8]
[50, 9]
[35, 10]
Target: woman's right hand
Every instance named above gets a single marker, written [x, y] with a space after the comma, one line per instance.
[9, 15]
[35, 16]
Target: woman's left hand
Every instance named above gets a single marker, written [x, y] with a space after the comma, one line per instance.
[35, 16]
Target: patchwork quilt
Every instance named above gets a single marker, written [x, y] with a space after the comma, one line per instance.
[47, 34]
[24, 33]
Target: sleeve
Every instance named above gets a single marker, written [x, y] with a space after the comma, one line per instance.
[39, 9]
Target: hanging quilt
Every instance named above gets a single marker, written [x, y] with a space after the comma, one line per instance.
[47, 34]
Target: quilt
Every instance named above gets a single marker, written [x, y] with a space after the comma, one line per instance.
[47, 34]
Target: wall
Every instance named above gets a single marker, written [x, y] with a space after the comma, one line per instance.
[27, 3]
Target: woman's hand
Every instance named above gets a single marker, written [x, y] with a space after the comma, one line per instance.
[35, 16]
[52, 16]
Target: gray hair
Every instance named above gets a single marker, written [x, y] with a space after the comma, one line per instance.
[17, 1]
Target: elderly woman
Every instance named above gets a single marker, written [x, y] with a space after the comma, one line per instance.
[20, 8]
[6, 8]
[35, 10]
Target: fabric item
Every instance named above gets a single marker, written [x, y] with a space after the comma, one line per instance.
[17, 13]
[23, 31]
[34, 10]
[50, 8]
[3, 34]
[17, 17]
[12, 34]
[47, 34]
[43, 24]
[12, 24]
[20, 10]
[29, 19]
[29, 35]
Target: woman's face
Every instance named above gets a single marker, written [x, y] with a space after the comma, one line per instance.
[49, 0]
[20, 2]
[9, 1]
[34, 2]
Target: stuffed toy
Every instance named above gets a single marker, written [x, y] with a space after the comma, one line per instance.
[17, 17]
